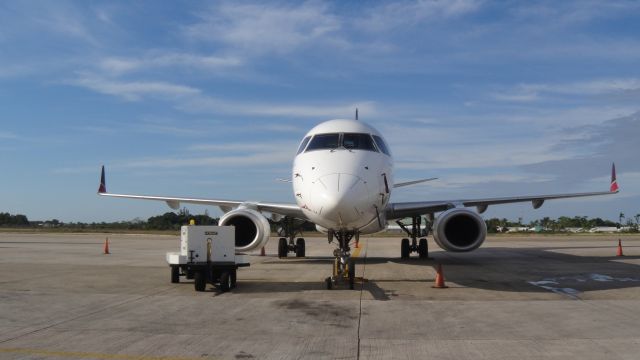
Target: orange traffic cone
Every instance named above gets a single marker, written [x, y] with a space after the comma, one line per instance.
[262, 252]
[106, 246]
[439, 279]
[619, 248]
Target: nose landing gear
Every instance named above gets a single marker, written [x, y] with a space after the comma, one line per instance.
[344, 267]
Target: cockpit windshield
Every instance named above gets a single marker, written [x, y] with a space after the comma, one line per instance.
[350, 141]
[358, 141]
[303, 144]
[381, 145]
[324, 141]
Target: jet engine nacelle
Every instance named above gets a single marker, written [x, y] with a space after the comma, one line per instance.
[459, 230]
[252, 228]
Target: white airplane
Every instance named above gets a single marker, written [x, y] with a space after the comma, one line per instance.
[342, 180]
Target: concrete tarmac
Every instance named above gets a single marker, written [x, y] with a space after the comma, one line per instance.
[524, 297]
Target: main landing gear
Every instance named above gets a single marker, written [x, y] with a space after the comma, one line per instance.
[344, 267]
[419, 246]
[288, 231]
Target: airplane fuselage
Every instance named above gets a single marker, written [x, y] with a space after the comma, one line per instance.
[342, 176]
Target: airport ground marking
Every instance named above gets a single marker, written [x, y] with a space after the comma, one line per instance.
[91, 355]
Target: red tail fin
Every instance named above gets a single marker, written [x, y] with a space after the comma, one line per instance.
[103, 186]
[614, 183]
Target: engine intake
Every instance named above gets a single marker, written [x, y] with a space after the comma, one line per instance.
[459, 230]
[252, 228]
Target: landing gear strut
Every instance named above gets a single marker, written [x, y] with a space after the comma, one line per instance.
[344, 267]
[288, 231]
[419, 246]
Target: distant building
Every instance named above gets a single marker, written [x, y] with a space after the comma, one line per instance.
[520, 229]
[606, 229]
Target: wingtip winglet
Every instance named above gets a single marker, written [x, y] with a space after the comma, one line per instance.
[103, 187]
[614, 183]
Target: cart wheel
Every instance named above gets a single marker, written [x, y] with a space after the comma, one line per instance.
[175, 274]
[234, 278]
[283, 248]
[329, 283]
[200, 281]
[300, 247]
[225, 282]
[352, 273]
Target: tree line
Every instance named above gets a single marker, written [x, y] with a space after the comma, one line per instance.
[166, 221]
[174, 220]
[632, 224]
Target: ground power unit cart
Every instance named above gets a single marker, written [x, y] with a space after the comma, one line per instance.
[207, 255]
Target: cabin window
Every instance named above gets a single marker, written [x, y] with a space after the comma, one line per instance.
[358, 142]
[303, 144]
[381, 145]
[324, 141]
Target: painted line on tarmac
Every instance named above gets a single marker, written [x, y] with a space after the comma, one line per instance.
[90, 355]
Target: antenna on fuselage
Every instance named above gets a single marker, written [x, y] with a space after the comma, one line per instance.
[356, 113]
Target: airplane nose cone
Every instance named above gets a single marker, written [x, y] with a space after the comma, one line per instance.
[339, 197]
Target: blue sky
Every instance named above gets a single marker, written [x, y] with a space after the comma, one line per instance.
[210, 99]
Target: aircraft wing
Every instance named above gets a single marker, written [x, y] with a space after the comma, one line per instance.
[407, 209]
[224, 205]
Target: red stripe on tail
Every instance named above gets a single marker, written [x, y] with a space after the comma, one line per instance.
[103, 187]
[614, 182]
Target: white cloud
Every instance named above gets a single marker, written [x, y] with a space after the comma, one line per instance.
[495, 140]
[203, 104]
[119, 65]
[522, 96]
[232, 161]
[407, 13]
[7, 135]
[62, 18]
[267, 147]
[262, 28]
[532, 92]
[456, 181]
[133, 90]
[168, 129]
[15, 70]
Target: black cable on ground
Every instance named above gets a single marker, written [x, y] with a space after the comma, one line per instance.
[364, 264]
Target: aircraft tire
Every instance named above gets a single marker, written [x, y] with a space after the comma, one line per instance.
[352, 274]
[405, 249]
[423, 249]
[300, 247]
[282, 248]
